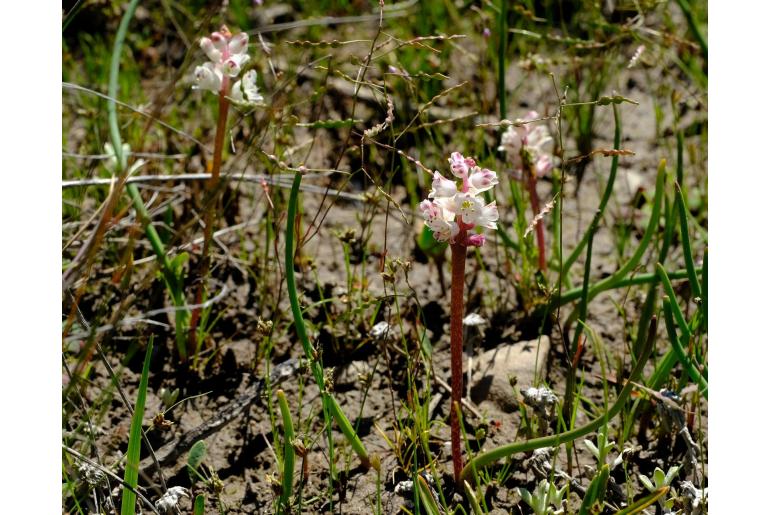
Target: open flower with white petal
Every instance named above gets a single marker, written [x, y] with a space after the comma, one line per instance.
[442, 187]
[208, 77]
[482, 179]
[489, 216]
[245, 92]
[468, 206]
[440, 220]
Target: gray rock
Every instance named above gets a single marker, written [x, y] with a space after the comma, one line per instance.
[354, 373]
[494, 370]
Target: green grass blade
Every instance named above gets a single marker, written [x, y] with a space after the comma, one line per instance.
[200, 505]
[686, 250]
[426, 497]
[595, 493]
[347, 429]
[686, 362]
[74, 10]
[472, 500]
[651, 229]
[644, 502]
[284, 503]
[693, 26]
[704, 291]
[677, 312]
[330, 405]
[617, 278]
[502, 28]
[131, 475]
[646, 278]
[583, 309]
[650, 301]
[112, 86]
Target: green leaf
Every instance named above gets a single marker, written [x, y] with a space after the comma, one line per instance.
[472, 500]
[429, 245]
[593, 502]
[199, 505]
[426, 497]
[646, 482]
[284, 503]
[197, 455]
[331, 408]
[672, 472]
[131, 475]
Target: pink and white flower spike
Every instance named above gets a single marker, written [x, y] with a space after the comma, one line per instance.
[452, 211]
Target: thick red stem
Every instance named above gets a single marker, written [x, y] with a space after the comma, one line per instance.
[456, 343]
[210, 213]
[539, 231]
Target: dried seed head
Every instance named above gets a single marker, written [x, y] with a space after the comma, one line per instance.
[92, 475]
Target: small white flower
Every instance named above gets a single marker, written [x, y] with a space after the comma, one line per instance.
[482, 179]
[444, 231]
[538, 138]
[208, 76]
[207, 45]
[232, 66]
[430, 209]
[238, 44]
[442, 187]
[171, 498]
[469, 207]
[452, 204]
[543, 165]
[460, 165]
[489, 216]
[245, 92]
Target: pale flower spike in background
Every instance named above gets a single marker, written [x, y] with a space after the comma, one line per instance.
[228, 54]
[525, 145]
[453, 211]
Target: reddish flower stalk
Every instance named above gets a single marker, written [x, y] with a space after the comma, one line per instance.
[456, 344]
[539, 231]
[454, 214]
[209, 217]
[227, 54]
